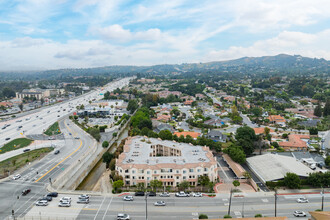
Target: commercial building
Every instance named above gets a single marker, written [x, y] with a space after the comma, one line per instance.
[39, 93]
[273, 167]
[145, 159]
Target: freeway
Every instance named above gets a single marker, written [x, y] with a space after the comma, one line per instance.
[39, 120]
[103, 207]
[39, 174]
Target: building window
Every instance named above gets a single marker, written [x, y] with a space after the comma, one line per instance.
[191, 170]
[177, 171]
[133, 177]
[184, 171]
[162, 171]
[148, 178]
[205, 169]
[184, 177]
[198, 170]
[126, 171]
[148, 172]
[155, 171]
[133, 171]
[177, 177]
[170, 170]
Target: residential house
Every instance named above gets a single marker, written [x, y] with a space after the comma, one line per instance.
[309, 122]
[188, 102]
[296, 142]
[214, 122]
[216, 136]
[261, 130]
[277, 119]
[161, 117]
[162, 127]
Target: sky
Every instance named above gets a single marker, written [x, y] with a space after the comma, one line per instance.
[53, 34]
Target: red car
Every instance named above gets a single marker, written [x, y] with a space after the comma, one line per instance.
[26, 191]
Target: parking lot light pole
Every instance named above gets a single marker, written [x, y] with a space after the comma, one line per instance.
[146, 205]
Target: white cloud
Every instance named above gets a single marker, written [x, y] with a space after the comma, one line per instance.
[310, 45]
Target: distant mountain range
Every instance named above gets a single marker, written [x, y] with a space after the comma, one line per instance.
[279, 64]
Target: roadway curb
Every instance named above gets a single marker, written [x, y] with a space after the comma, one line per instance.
[302, 193]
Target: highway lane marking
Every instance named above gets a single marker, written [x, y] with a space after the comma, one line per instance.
[107, 209]
[99, 208]
[60, 161]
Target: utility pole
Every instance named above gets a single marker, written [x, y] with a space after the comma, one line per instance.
[275, 201]
[322, 193]
[146, 205]
[243, 207]
[231, 192]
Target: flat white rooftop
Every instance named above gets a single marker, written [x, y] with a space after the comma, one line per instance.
[270, 167]
[140, 150]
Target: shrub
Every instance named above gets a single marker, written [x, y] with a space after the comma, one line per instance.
[258, 216]
[227, 216]
[203, 216]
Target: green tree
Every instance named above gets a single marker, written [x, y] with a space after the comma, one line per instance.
[112, 164]
[256, 112]
[203, 180]
[236, 183]
[313, 131]
[326, 110]
[203, 216]
[165, 135]
[292, 181]
[246, 137]
[227, 216]
[106, 158]
[132, 105]
[258, 216]
[327, 161]
[145, 123]
[105, 144]
[184, 185]
[236, 153]
[21, 106]
[156, 184]
[318, 110]
[8, 93]
[95, 132]
[117, 184]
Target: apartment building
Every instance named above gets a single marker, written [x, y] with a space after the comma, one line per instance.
[145, 159]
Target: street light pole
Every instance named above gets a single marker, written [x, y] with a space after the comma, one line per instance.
[322, 193]
[231, 192]
[275, 201]
[146, 205]
[243, 207]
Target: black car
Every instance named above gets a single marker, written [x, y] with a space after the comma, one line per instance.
[52, 194]
[7, 139]
[26, 150]
[26, 191]
[57, 152]
[140, 193]
[48, 198]
[151, 193]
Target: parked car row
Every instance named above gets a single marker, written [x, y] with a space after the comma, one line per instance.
[166, 194]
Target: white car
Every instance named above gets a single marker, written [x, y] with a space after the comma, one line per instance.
[302, 200]
[16, 177]
[299, 214]
[181, 194]
[42, 203]
[160, 203]
[64, 204]
[83, 196]
[128, 198]
[164, 194]
[64, 199]
[122, 216]
[198, 194]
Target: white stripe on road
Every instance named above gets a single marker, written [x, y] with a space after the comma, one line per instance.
[223, 171]
[99, 208]
[107, 209]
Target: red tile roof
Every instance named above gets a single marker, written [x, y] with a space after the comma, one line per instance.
[185, 133]
[295, 141]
